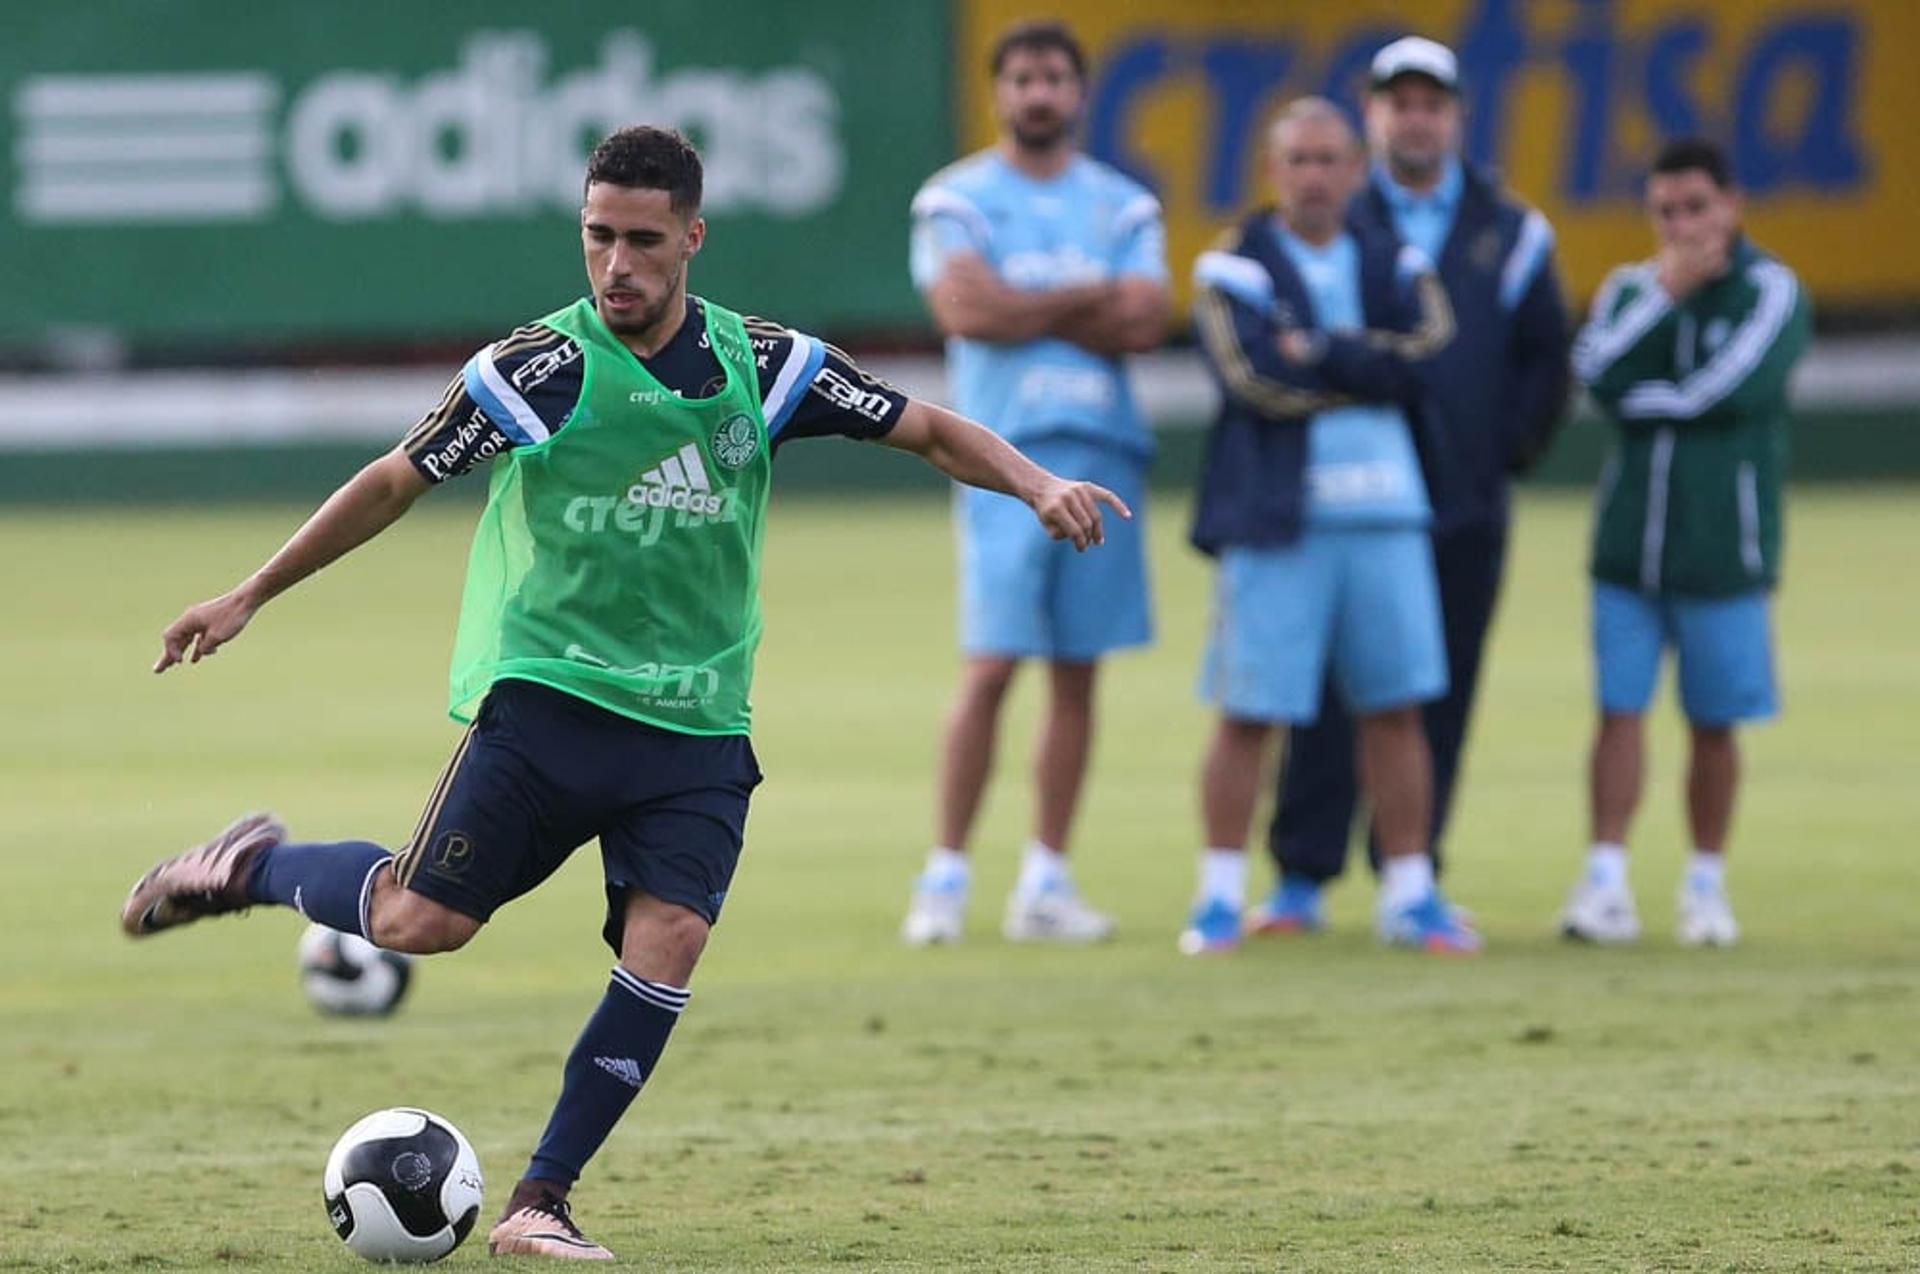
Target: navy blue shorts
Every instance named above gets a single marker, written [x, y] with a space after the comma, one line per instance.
[539, 773]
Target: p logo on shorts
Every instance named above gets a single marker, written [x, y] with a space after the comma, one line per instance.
[452, 854]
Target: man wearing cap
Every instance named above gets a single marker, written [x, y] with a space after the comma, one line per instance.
[1498, 392]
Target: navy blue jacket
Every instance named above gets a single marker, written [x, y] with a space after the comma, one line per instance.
[1252, 484]
[1500, 388]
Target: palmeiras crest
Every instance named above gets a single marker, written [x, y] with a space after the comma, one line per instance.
[735, 441]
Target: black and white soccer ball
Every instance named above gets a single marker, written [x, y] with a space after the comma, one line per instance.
[402, 1185]
[344, 973]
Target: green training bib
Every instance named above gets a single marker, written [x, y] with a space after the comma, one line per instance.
[619, 559]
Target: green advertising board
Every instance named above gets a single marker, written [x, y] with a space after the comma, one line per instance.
[292, 169]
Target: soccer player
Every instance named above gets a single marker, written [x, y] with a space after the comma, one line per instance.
[1313, 501]
[1500, 389]
[1689, 356]
[1044, 268]
[606, 637]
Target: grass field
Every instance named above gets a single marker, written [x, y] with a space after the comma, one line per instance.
[833, 1101]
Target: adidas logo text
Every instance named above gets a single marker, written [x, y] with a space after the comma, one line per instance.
[676, 492]
[678, 482]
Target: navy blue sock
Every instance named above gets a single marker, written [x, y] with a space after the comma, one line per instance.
[329, 883]
[610, 1061]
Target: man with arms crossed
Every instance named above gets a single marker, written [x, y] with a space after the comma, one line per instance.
[1689, 356]
[1312, 499]
[1500, 389]
[1044, 268]
[606, 636]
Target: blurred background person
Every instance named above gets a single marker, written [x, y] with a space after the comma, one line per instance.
[1689, 355]
[1499, 390]
[1043, 268]
[1313, 501]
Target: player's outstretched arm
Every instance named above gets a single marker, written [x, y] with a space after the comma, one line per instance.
[971, 453]
[369, 502]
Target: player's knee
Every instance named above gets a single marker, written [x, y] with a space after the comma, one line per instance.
[1717, 736]
[989, 679]
[409, 922]
[1404, 719]
[680, 930]
[1072, 684]
[662, 941]
[1243, 732]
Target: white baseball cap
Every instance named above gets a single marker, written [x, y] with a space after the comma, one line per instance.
[1416, 55]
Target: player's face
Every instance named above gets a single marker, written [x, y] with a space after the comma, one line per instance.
[1315, 168]
[1037, 98]
[637, 249]
[1414, 124]
[1689, 211]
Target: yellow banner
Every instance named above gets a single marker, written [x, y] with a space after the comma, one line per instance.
[1814, 99]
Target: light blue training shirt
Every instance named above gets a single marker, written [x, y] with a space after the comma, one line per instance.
[1089, 223]
[1424, 219]
[1361, 462]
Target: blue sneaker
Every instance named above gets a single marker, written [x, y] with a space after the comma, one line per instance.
[1294, 906]
[1431, 924]
[1213, 927]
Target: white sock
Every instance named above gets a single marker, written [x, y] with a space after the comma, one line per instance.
[1405, 879]
[1041, 868]
[1223, 876]
[1607, 865]
[1707, 872]
[948, 868]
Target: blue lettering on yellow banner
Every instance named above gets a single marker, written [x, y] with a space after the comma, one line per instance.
[1790, 117]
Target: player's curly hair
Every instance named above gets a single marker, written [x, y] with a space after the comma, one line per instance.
[1038, 35]
[647, 158]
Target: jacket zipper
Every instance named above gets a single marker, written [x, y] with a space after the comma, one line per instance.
[1653, 541]
[1749, 495]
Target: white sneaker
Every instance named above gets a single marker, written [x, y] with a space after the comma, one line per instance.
[938, 912]
[1705, 918]
[1055, 914]
[1600, 913]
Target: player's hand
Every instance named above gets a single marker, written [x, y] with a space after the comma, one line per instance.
[1713, 258]
[202, 629]
[1301, 346]
[1683, 268]
[1071, 511]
